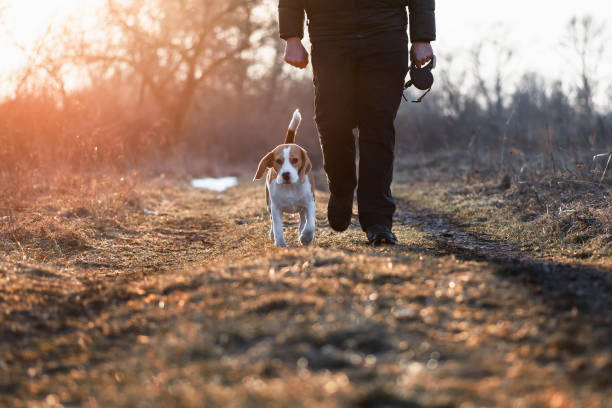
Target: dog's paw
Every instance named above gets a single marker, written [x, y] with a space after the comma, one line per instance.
[306, 237]
[280, 244]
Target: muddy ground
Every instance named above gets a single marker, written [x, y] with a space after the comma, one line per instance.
[176, 297]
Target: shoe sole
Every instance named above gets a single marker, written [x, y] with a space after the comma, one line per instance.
[383, 241]
[339, 229]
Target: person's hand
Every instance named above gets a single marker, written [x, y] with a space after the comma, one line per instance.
[295, 53]
[421, 52]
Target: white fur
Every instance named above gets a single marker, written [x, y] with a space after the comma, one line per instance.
[292, 198]
[295, 121]
[287, 167]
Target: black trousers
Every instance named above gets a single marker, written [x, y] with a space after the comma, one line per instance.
[359, 84]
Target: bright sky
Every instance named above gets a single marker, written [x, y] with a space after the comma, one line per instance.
[23, 21]
[532, 27]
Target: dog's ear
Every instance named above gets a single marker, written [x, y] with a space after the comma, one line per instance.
[306, 166]
[264, 164]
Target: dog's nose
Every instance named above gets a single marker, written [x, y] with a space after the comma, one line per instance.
[286, 176]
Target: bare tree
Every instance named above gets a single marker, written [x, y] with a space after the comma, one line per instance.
[174, 46]
[494, 91]
[166, 50]
[586, 44]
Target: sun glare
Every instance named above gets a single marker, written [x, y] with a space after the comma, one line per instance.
[25, 21]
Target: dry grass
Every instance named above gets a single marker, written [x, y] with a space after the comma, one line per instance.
[189, 304]
[559, 218]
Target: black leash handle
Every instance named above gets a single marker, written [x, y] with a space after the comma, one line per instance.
[422, 78]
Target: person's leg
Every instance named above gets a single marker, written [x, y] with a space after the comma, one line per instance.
[334, 81]
[335, 109]
[383, 66]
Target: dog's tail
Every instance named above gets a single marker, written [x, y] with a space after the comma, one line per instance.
[293, 126]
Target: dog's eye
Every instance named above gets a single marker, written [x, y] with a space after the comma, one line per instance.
[294, 160]
[279, 161]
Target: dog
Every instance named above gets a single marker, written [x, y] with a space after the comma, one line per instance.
[289, 186]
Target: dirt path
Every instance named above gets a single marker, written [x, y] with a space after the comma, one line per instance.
[190, 305]
[585, 287]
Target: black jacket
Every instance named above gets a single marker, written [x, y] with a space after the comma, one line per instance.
[339, 19]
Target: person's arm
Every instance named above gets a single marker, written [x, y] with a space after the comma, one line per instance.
[291, 18]
[291, 29]
[422, 29]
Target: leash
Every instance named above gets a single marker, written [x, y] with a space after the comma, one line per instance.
[422, 78]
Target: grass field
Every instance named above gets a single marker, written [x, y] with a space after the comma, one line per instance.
[141, 292]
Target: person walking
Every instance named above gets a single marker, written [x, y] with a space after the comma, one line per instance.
[360, 60]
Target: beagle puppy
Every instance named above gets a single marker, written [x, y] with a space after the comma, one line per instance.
[289, 186]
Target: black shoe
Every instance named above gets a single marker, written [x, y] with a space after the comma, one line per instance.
[339, 211]
[380, 235]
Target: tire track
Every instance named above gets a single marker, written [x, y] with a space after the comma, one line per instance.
[567, 285]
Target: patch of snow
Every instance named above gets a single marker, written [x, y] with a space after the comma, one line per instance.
[215, 184]
[149, 212]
